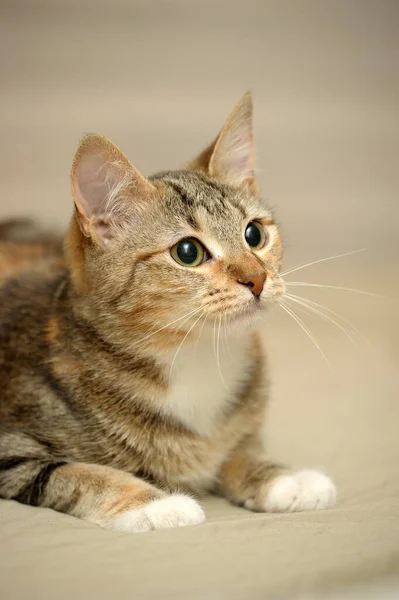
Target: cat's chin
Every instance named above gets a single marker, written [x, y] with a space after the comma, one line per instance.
[247, 317]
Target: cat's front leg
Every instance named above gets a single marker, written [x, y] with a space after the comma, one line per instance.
[251, 481]
[111, 498]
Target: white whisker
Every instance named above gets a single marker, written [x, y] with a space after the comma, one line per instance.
[305, 329]
[333, 287]
[225, 336]
[322, 315]
[324, 309]
[186, 317]
[314, 262]
[200, 333]
[218, 352]
[182, 342]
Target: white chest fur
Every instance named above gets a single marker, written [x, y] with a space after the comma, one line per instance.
[205, 377]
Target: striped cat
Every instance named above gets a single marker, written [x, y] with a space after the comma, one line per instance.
[132, 373]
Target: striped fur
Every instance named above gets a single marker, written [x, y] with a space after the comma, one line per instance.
[112, 404]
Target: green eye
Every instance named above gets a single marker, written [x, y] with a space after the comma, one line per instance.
[189, 253]
[255, 235]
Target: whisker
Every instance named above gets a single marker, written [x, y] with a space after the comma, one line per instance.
[333, 287]
[151, 331]
[218, 341]
[200, 333]
[186, 317]
[305, 329]
[322, 315]
[225, 336]
[214, 337]
[182, 342]
[314, 262]
[353, 329]
[218, 353]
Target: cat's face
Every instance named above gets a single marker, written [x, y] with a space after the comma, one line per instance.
[187, 248]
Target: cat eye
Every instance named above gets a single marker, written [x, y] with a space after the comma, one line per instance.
[189, 253]
[255, 235]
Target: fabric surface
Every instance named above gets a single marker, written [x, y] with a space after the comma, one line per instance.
[159, 79]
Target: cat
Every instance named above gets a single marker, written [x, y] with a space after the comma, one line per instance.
[132, 372]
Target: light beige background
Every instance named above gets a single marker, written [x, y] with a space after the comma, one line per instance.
[159, 78]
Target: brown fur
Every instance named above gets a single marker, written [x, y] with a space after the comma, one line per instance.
[84, 421]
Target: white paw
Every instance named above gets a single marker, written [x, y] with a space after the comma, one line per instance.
[304, 490]
[173, 511]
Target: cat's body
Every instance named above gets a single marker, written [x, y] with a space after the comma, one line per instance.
[125, 375]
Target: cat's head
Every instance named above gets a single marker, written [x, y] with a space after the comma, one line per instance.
[193, 245]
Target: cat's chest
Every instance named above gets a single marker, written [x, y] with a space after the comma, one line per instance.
[205, 378]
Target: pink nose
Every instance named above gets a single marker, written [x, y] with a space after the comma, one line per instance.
[254, 282]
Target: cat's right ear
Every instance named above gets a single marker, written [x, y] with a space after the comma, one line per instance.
[104, 185]
[231, 156]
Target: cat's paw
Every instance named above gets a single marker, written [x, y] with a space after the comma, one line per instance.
[303, 490]
[177, 510]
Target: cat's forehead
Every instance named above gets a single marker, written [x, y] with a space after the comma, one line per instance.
[203, 201]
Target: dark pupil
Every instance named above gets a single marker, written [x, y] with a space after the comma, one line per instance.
[187, 252]
[252, 235]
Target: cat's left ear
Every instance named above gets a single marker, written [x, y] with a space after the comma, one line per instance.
[107, 190]
[231, 157]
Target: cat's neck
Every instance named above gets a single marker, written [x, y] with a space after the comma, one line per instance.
[206, 376]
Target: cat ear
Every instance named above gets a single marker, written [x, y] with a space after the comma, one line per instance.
[201, 162]
[231, 156]
[104, 185]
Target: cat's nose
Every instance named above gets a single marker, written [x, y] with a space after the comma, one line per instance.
[254, 282]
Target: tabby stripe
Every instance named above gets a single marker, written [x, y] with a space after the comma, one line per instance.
[128, 362]
[33, 493]
[67, 503]
[215, 187]
[188, 201]
[12, 461]
[59, 390]
[211, 183]
[182, 193]
[221, 189]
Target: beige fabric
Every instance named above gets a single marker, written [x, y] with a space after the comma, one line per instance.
[159, 78]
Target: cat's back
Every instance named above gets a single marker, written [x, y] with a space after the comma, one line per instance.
[30, 270]
[28, 274]
[30, 260]
[24, 247]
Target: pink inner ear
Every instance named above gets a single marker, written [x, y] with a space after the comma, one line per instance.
[233, 159]
[239, 154]
[233, 156]
[93, 183]
[107, 189]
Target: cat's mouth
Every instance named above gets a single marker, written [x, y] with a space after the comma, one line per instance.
[246, 312]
